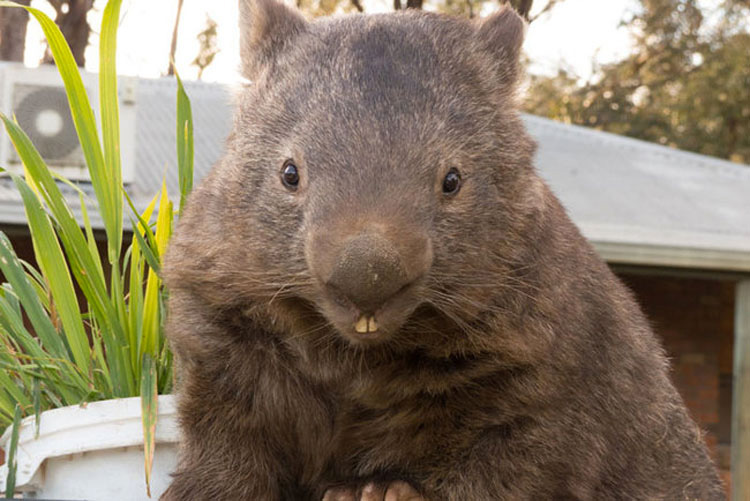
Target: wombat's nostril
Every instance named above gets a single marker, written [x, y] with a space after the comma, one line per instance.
[368, 272]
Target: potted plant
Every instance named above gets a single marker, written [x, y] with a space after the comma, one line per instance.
[83, 330]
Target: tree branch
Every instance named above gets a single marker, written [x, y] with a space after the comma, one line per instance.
[13, 24]
[74, 26]
[358, 5]
[550, 5]
[173, 46]
[57, 4]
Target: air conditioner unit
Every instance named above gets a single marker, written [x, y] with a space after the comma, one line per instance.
[36, 97]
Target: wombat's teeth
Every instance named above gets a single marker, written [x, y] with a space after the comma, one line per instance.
[361, 325]
[365, 325]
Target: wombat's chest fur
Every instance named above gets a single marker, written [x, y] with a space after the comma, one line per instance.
[374, 296]
[380, 421]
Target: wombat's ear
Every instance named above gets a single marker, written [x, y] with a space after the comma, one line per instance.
[501, 35]
[266, 27]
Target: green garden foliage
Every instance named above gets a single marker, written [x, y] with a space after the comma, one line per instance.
[86, 325]
[685, 84]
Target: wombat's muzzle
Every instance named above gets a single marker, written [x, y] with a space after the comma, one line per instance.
[369, 277]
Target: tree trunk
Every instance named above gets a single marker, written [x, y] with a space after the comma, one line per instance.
[173, 48]
[523, 7]
[13, 32]
[414, 4]
[71, 18]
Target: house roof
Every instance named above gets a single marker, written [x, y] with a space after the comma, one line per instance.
[639, 203]
[642, 203]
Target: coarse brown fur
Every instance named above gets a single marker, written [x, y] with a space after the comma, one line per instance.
[510, 363]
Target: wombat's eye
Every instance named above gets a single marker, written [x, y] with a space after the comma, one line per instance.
[452, 182]
[290, 175]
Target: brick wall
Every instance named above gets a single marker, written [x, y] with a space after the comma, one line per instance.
[695, 320]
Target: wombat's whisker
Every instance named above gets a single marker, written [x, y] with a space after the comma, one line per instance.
[323, 326]
[504, 283]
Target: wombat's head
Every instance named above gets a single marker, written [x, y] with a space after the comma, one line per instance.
[378, 175]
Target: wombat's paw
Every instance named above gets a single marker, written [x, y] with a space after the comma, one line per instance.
[395, 491]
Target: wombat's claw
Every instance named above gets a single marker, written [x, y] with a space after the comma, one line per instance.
[401, 491]
[340, 494]
[395, 491]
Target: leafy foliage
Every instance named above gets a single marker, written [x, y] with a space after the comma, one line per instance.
[686, 83]
[208, 48]
[83, 326]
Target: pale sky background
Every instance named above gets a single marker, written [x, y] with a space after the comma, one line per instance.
[576, 33]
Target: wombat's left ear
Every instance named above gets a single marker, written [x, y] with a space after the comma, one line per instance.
[266, 28]
[502, 34]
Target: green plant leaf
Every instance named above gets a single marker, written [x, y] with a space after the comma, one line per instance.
[82, 262]
[10, 482]
[12, 321]
[7, 384]
[149, 413]
[185, 148]
[110, 113]
[110, 342]
[6, 291]
[51, 260]
[37, 400]
[107, 193]
[145, 228]
[14, 273]
[90, 239]
[85, 265]
[144, 248]
[152, 299]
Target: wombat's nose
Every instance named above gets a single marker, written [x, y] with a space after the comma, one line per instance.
[368, 272]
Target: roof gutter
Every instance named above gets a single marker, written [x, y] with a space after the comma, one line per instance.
[669, 248]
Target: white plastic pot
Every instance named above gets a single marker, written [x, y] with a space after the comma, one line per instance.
[93, 452]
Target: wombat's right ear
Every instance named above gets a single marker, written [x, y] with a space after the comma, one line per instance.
[266, 27]
[501, 35]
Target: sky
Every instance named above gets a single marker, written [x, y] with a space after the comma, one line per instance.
[576, 33]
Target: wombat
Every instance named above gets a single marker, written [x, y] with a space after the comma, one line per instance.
[373, 295]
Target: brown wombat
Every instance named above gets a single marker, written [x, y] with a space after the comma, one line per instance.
[374, 295]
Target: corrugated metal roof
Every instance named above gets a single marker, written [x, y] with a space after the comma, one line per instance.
[638, 202]
[607, 179]
[641, 196]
